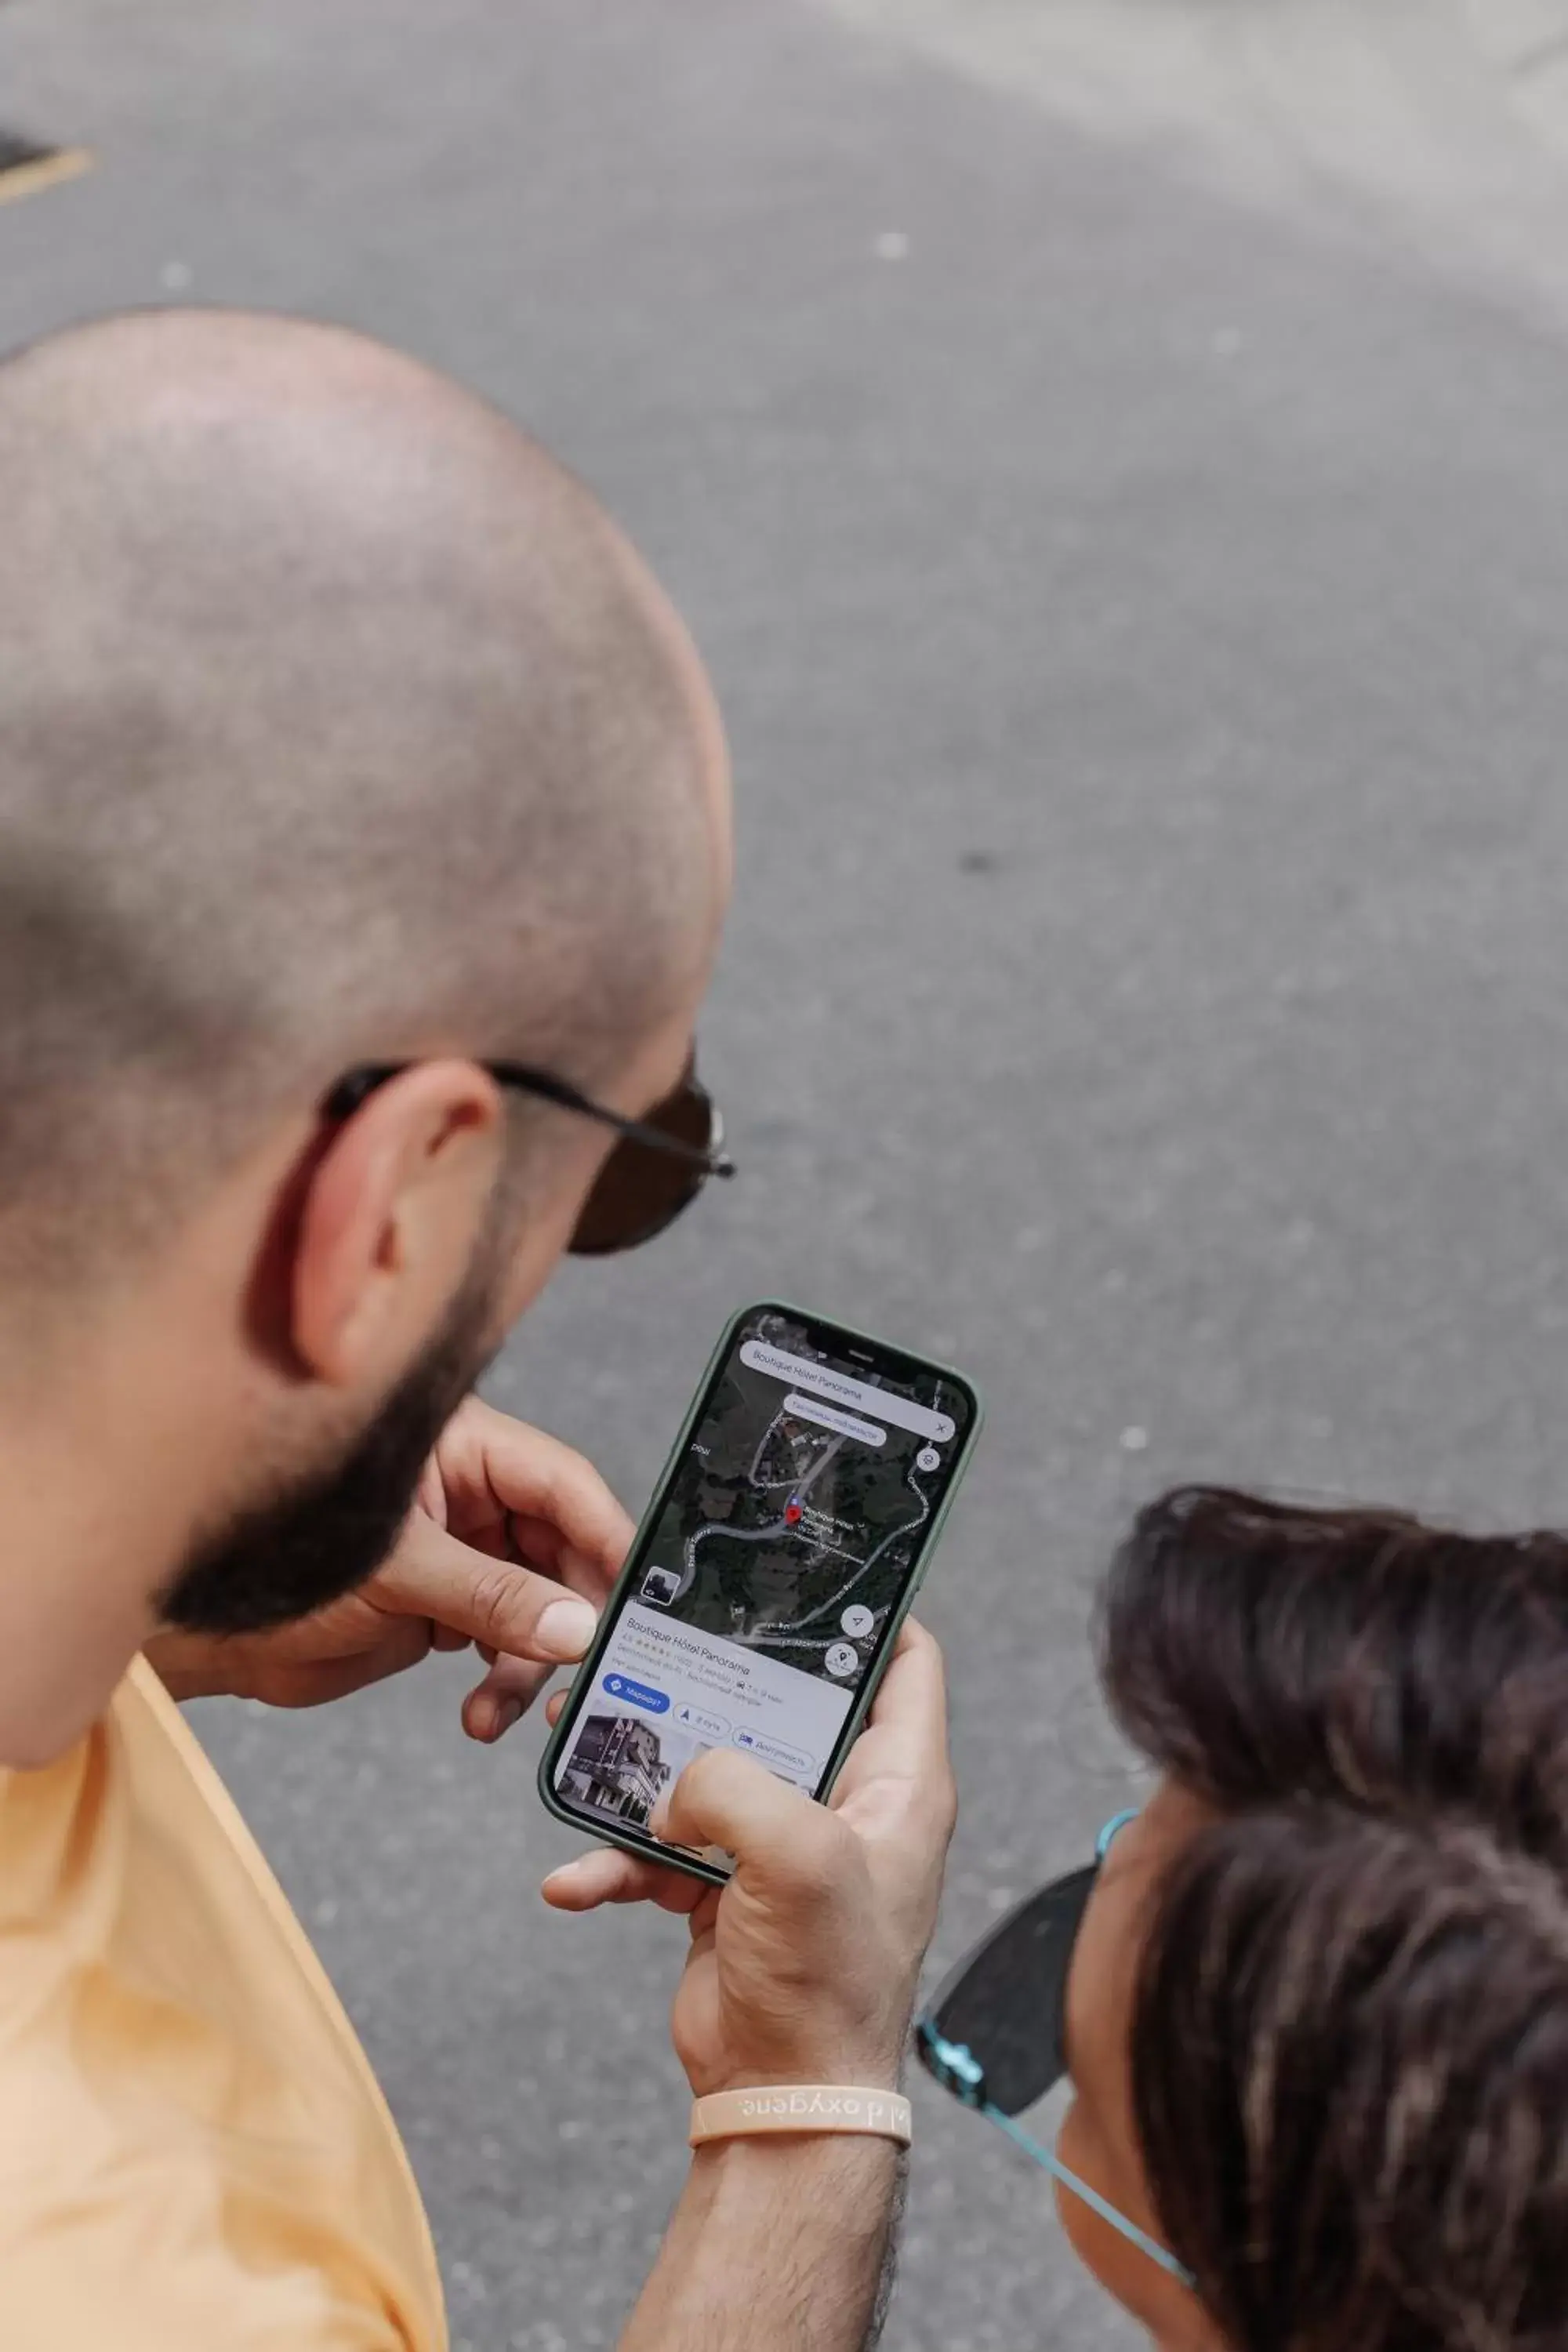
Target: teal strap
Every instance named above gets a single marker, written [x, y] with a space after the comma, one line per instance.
[963, 2072]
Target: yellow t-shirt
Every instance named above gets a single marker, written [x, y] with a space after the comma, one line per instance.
[194, 2156]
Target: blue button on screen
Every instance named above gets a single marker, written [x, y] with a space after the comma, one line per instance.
[652, 1702]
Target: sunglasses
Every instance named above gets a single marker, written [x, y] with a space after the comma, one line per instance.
[996, 2034]
[656, 1170]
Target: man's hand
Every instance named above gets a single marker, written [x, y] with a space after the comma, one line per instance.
[803, 1969]
[513, 1545]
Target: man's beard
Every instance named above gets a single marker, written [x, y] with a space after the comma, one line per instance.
[314, 1541]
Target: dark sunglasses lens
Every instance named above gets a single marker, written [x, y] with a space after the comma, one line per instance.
[642, 1190]
[1006, 2004]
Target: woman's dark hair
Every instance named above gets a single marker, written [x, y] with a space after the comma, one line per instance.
[1350, 2044]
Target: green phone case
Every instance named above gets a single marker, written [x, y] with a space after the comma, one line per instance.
[649, 1848]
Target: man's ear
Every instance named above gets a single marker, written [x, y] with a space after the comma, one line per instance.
[389, 1219]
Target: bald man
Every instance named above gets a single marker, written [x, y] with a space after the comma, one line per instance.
[364, 844]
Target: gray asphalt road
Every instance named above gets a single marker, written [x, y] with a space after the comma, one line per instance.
[1146, 616]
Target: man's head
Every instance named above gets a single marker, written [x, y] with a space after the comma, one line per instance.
[337, 726]
[1318, 2015]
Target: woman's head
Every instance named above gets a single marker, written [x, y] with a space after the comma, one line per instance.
[1318, 2009]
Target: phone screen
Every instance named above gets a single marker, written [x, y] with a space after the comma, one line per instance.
[772, 1567]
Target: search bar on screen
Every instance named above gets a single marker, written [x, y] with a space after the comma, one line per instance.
[838, 1388]
[827, 1416]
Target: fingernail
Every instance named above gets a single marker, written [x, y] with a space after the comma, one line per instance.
[564, 1629]
[505, 1713]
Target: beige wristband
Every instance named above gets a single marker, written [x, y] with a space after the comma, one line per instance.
[801, 2107]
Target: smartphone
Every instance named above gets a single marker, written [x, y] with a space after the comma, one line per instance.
[759, 1604]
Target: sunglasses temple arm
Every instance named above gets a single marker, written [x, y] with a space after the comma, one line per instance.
[963, 2076]
[1087, 2196]
[567, 1096]
[713, 1163]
